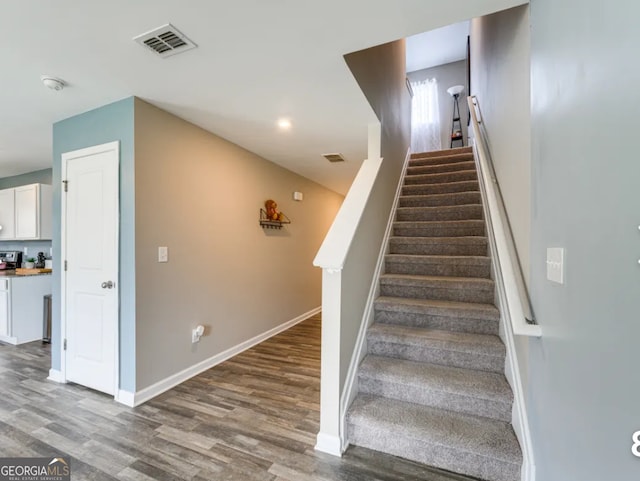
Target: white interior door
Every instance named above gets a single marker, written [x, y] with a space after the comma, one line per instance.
[90, 248]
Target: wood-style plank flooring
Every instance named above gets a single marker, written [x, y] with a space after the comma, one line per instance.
[254, 417]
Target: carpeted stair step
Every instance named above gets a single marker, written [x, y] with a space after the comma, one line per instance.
[455, 198]
[451, 266]
[441, 188]
[433, 314]
[443, 212]
[440, 168]
[457, 389]
[444, 177]
[442, 153]
[439, 228]
[457, 349]
[441, 160]
[460, 289]
[462, 443]
[445, 246]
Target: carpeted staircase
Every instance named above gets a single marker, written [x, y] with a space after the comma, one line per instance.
[431, 387]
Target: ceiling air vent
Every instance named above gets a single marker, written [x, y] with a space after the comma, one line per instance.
[334, 157]
[165, 41]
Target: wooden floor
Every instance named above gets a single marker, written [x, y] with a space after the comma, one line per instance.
[254, 417]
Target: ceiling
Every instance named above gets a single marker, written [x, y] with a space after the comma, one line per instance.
[256, 61]
[437, 47]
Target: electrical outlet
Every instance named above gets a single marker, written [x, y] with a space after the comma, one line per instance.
[163, 254]
[26, 251]
[196, 334]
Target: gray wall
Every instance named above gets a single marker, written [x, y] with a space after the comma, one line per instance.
[500, 56]
[380, 72]
[584, 390]
[106, 124]
[448, 75]
[200, 195]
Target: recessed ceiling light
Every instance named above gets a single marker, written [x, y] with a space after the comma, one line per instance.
[52, 82]
[284, 124]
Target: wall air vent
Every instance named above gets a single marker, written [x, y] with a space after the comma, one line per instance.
[165, 41]
[334, 157]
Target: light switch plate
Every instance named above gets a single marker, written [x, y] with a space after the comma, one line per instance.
[555, 264]
[163, 254]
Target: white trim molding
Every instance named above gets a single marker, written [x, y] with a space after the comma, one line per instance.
[130, 399]
[329, 444]
[56, 375]
[9, 340]
[519, 417]
[126, 397]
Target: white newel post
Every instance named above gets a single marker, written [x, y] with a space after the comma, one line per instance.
[329, 436]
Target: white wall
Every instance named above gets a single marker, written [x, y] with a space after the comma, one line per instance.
[200, 195]
[447, 75]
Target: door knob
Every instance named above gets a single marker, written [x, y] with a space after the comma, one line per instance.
[108, 285]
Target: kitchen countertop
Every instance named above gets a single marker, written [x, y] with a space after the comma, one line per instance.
[12, 273]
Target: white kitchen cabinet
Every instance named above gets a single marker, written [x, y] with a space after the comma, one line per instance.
[7, 214]
[33, 211]
[25, 212]
[21, 307]
[4, 312]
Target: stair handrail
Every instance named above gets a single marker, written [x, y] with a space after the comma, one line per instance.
[510, 273]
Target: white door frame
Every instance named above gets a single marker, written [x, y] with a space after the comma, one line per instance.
[66, 156]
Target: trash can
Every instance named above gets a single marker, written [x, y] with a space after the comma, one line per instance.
[46, 319]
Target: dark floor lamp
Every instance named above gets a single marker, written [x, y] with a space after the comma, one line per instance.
[456, 132]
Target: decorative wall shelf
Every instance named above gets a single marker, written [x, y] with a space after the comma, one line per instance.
[267, 223]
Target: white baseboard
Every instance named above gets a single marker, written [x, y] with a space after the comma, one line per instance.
[351, 382]
[154, 390]
[9, 340]
[329, 444]
[126, 397]
[56, 376]
[519, 417]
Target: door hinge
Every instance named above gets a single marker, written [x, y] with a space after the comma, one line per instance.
[65, 265]
[64, 345]
[66, 185]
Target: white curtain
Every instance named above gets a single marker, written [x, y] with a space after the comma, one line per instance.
[425, 116]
